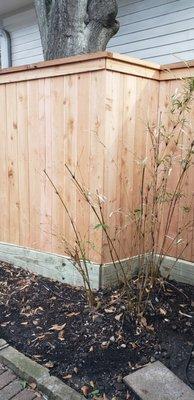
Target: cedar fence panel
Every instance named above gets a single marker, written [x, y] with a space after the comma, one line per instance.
[91, 113]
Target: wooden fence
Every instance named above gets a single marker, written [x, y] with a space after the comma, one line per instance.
[89, 112]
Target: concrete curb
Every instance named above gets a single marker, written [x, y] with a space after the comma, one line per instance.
[31, 371]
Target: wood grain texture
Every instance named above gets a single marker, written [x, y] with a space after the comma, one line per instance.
[179, 245]
[23, 162]
[12, 158]
[4, 188]
[94, 120]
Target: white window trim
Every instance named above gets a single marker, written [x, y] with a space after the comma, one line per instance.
[5, 49]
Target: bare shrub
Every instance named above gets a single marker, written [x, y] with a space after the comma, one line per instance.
[160, 192]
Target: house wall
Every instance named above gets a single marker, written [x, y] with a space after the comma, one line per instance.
[161, 31]
[25, 37]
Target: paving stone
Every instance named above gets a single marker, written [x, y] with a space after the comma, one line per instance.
[23, 366]
[156, 382]
[55, 389]
[26, 394]
[6, 378]
[2, 369]
[30, 371]
[10, 390]
[3, 343]
[39, 397]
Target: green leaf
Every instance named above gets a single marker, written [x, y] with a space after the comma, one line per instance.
[95, 393]
[23, 384]
[103, 226]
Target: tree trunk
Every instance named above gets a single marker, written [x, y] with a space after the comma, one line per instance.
[70, 27]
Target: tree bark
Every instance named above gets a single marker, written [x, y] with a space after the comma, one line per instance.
[69, 27]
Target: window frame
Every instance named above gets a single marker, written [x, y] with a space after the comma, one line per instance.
[5, 41]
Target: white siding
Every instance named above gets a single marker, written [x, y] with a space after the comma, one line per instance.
[25, 37]
[160, 31]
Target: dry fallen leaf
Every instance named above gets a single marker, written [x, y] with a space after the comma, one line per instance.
[32, 385]
[143, 321]
[128, 396]
[118, 317]
[162, 311]
[49, 364]
[61, 335]
[37, 356]
[66, 377]
[134, 345]
[38, 395]
[85, 390]
[104, 345]
[150, 328]
[5, 323]
[96, 316]
[24, 287]
[40, 337]
[57, 327]
[38, 309]
[110, 310]
[185, 315]
[73, 314]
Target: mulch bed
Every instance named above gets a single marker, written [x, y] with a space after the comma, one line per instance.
[91, 350]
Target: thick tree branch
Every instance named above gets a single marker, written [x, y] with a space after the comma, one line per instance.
[103, 24]
[42, 11]
[48, 4]
[71, 27]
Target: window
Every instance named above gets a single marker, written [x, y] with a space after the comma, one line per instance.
[5, 49]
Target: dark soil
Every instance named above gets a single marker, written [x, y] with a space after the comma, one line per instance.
[51, 323]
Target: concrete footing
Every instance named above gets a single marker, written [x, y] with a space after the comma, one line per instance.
[63, 269]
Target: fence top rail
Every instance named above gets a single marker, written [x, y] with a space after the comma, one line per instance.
[178, 65]
[179, 70]
[80, 58]
[94, 62]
